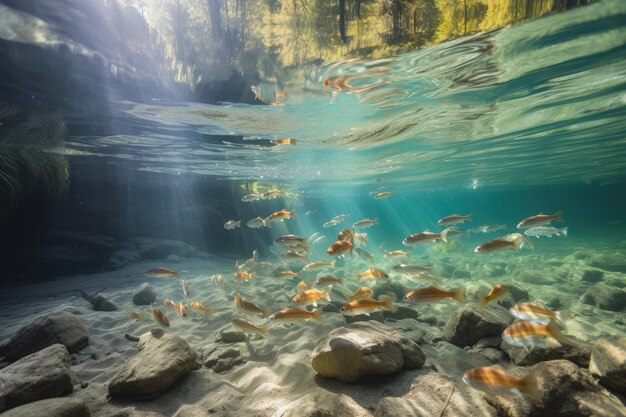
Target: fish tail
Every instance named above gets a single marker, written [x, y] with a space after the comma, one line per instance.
[332, 263]
[326, 293]
[517, 243]
[264, 330]
[459, 295]
[530, 385]
[443, 235]
[467, 233]
[265, 313]
[292, 214]
[340, 281]
[469, 217]
[564, 231]
[390, 303]
[238, 224]
[555, 331]
[558, 216]
[561, 317]
[317, 314]
[483, 300]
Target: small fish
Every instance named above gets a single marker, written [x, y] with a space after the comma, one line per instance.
[501, 243]
[319, 265]
[280, 215]
[434, 294]
[250, 197]
[382, 195]
[302, 286]
[159, 317]
[292, 255]
[257, 223]
[424, 237]
[287, 274]
[530, 334]
[495, 381]
[284, 141]
[241, 275]
[273, 193]
[366, 223]
[197, 305]
[328, 280]
[249, 307]
[296, 314]
[339, 248]
[182, 311]
[185, 285]
[496, 293]
[162, 272]
[423, 276]
[411, 268]
[373, 273]
[170, 304]
[312, 296]
[360, 238]
[291, 241]
[341, 217]
[455, 219]
[539, 220]
[364, 254]
[231, 224]
[361, 293]
[346, 235]
[536, 312]
[138, 315]
[366, 306]
[545, 231]
[488, 228]
[396, 253]
[330, 223]
[317, 240]
[248, 327]
[218, 280]
[453, 233]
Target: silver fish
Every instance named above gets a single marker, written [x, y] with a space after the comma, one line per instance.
[185, 285]
[366, 222]
[231, 224]
[546, 231]
[257, 223]
[250, 197]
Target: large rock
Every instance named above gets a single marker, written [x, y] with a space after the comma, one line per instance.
[365, 348]
[567, 391]
[608, 362]
[54, 407]
[163, 360]
[44, 374]
[144, 295]
[535, 277]
[605, 297]
[574, 350]
[612, 261]
[451, 360]
[470, 323]
[151, 248]
[64, 328]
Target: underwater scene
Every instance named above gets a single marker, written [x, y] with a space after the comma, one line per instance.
[390, 208]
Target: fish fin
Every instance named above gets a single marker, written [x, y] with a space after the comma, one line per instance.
[264, 330]
[389, 303]
[327, 293]
[459, 295]
[317, 314]
[292, 214]
[469, 217]
[555, 331]
[443, 235]
[332, 263]
[530, 385]
[517, 243]
[564, 231]
[375, 220]
[558, 216]
[265, 313]
[561, 317]
[483, 300]
[238, 224]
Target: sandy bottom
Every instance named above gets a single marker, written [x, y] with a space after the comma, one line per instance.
[277, 370]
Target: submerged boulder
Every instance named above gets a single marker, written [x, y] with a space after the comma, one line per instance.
[152, 248]
[54, 407]
[144, 295]
[470, 323]
[64, 328]
[605, 297]
[611, 261]
[574, 350]
[608, 362]
[365, 348]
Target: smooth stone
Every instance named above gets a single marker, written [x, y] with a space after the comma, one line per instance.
[535, 277]
[223, 365]
[461, 273]
[144, 295]
[152, 248]
[230, 335]
[519, 294]
[452, 360]
[608, 362]
[387, 288]
[173, 259]
[613, 261]
[41, 375]
[574, 350]
[54, 407]
[161, 362]
[231, 353]
[64, 328]
[592, 275]
[605, 297]
[319, 404]
[401, 312]
[363, 349]
[470, 323]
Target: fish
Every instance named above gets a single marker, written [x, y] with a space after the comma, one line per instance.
[257, 223]
[287, 274]
[453, 233]
[540, 219]
[373, 273]
[292, 255]
[396, 253]
[295, 314]
[197, 305]
[250, 197]
[185, 285]
[496, 293]
[536, 312]
[138, 315]
[162, 272]
[218, 280]
[273, 193]
[291, 241]
[341, 217]
[302, 286]
[330, 223]
[423, 276]
[434, 294]
[284, 141]
[319, 265]
[366, 223]
[240, 274]
[319, 239]
[339, 248]
[455, 219]
[280, 215]
[488, 228]
[312, 296]
[249, 307]
[545, 231]
[182, 311]
[364, 254]
[231, 224]
[361, 293]
[424, 237]
[248, 327]
[328, 279]
[502, 243]
[159, 317]
[169, 303]
[360, 238]
[411, 268]
[381, 195]
[366, 306]
[494, 380]
[531, 334]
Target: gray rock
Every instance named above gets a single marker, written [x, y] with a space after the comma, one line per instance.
[566, 390]
[54, 407]
[401, 312]
[611, 261]
[519, 294]
[366, 348]
[470, 323]
[160, 363]
[442, 269]
[123, 255]
[374, 316]
[41, 375]
[64, 328]
[551, 301]
[608, 362]
[576, 351]
[605, 297]
[231, 353]
[230, 335]
[319, 404]
[592, 275]
[173, 259]
[535, 277]
[388, 288]
[452, 360]
[151, 248]
[400, 407]
[461, 273]
[144, 295]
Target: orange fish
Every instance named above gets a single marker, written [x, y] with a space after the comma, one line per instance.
[240, 274]
[433, 294]
[312, 296]
[496, 293]
[361, 293]
[281, 215]
[182, 311]
[513, 241]
[169, 303]
[284, 141]
[197, 305]
[424, 237]
[493, 380]
[373, 273]
[295, 314]
[534, 311]
[162, 272]
[366, 306]
[273, 193]
[302, 286]
[160, 317]
[249, 327]
[455, 219]
[540, 219]
[249, 307]
[531, 334]
[339, 248]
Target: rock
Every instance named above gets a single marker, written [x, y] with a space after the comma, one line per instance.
[470, 323]
[519, 294]
[223, 365]
[330, 308]
[99, 301]
[400, 407]
[612, 261]
[592, 275]
[64, 328]
[160, 363]
[144, 295]
[461, 273]
[401, 312]
[535, 277]
[123, 255]
[551, 301]
[608, 362]
[576, 351]
[41, 375]
[452, 360]
[366, 348]
[54, 407]
[567, 391]
[173, 259]
[231, 353]
[151, 248]
[374, 316]
[390, 287]
[605, 297]
[320, 404]
[230, 335]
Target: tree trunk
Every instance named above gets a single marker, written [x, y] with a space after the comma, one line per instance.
[217, 32]
[342, 21]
